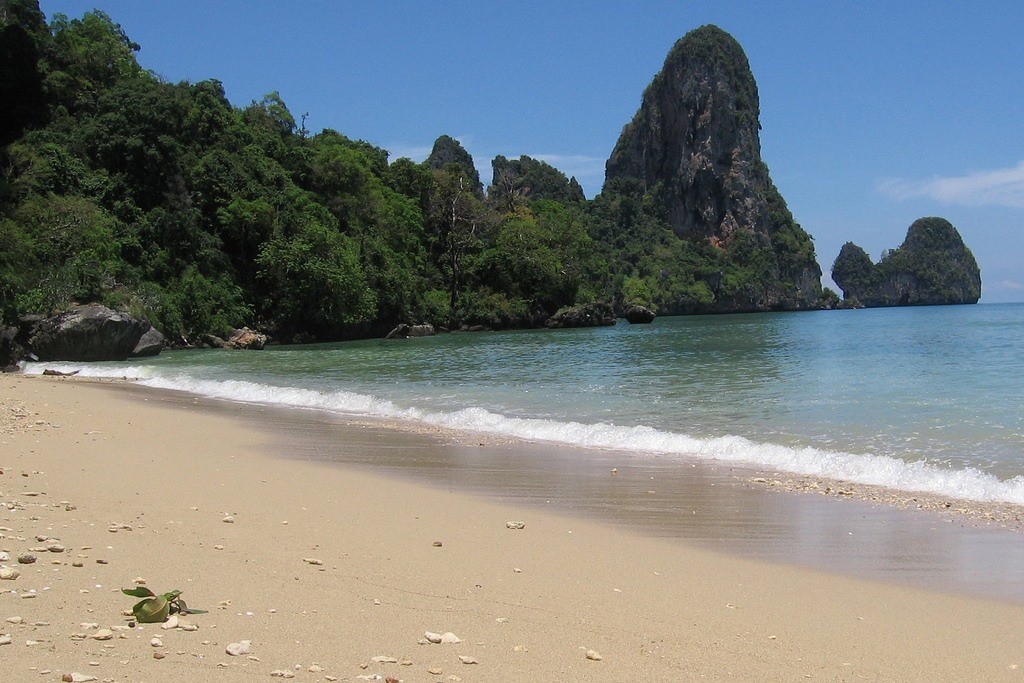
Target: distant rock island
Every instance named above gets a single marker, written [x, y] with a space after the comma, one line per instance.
[933, 266]
[693, 151]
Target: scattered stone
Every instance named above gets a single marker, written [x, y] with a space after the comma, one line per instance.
[156, 642]
[315, 668]
[515, 525]
[237, 649]
[593, 656]
[466, 659]
[172, 622]
[26, 558]
[384, 659]
[9, 573]
[435, 671]
[4, 557]
[282, 673]
[159, 655]
[54, 547]
[77, 678]
[228, 519]
[139, 581]
[103, 634]
[5, 639]
[14, 620]
[438, 544]
[312, 560]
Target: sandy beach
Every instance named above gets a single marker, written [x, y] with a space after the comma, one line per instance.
[337, 572]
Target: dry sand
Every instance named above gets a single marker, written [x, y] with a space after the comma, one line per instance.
[325, 568]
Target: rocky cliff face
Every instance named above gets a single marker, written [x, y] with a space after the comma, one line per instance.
[933, 266]
[694, 150]
[448, 151]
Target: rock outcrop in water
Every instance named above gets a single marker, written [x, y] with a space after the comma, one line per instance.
[597, 314]
[933, 266]
[694, 152]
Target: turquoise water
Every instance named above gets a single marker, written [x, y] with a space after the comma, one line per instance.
[925, 399]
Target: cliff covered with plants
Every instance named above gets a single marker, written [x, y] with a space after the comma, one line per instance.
[166, 201]
[932, 267]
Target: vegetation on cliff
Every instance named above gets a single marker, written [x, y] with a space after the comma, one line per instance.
[166, 201]
[933, 266]
[690, 160]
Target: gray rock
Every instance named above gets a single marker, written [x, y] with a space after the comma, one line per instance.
[150, 344]
[87, 333]
[246, 339]
[594, 314]
[639, 315]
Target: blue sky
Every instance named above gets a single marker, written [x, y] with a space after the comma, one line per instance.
[873, 113]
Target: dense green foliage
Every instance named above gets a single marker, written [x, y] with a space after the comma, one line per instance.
[165, 200]
[932, 266]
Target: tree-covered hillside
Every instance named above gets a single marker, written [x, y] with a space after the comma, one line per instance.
[166, 201]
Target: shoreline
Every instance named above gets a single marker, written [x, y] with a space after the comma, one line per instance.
[946, 544]
[335, 572]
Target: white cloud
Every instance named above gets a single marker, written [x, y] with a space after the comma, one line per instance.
[1010, 285]
[998, 187]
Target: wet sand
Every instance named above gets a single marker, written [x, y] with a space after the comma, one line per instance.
[347, 542]
[861, 531]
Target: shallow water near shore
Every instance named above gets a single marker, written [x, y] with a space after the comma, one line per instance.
[915, 399]
[714, 506]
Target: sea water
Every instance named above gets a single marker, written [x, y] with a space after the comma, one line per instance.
[918, 399]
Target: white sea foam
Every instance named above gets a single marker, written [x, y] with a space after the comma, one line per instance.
[880, 470]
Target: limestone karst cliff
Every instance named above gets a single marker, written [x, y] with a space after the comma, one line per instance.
[933, 266]
[693, 153]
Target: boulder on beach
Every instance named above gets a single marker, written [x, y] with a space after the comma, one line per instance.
[150, 344]
[87, 333]
[245, 338]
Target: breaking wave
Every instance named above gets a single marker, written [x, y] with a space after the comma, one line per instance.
[880, 470]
